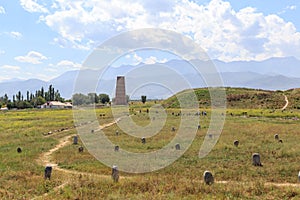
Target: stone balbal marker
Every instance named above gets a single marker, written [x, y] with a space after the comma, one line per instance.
[256, 159]
[208, 177]
[19, 150]
[115, 173]
[117, 148]
[75, 140]
[236, 143]
[143, 140]
[48, 171]
[80, 149]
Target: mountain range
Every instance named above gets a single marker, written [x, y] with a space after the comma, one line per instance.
[161, 80]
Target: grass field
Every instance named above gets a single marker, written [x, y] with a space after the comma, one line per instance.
[21, 175]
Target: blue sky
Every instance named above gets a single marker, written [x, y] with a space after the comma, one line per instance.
[42, 39]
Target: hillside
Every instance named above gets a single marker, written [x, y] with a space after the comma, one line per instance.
[245, 98]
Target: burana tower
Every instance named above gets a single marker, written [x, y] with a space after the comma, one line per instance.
[120, 98]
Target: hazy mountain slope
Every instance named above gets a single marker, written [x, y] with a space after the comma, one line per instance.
[163, 80]
[12, 87]
[288, 66]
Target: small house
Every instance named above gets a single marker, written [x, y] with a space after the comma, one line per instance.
[56, 105]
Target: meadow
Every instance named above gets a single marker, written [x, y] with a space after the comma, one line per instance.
[81, 176]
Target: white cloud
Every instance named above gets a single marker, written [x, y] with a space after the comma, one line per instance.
[15, 34]
[288, 8]
[292, 7]
[229, 35]
[153, 59]
[134, 59]
[2, 10]
[11, 67]
[33, 6]
[81, 22]
[223, 32]
[32, 57]
[68, 64]
[2, 52]
[137, 58]
[148, 60]
[64, 43]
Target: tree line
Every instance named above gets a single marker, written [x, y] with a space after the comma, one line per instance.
[31, 100]
[90, 98]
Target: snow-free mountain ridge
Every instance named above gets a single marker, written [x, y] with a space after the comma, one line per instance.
[271, 74]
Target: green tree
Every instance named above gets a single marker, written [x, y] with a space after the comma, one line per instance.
[42, 92]
[57, 96]
[23, 105]
[1, 101]
[27, 96]
[104, 98]
[10, 105]
[51, 93]
[93, 98]
[47, 96]
[18, 96]
[79, 99]
[5, 99]
[144, 98]
[31, 97]
[40, 100]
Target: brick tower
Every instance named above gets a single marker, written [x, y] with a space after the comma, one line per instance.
[120, 98]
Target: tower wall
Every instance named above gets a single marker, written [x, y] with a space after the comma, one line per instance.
[120, 98]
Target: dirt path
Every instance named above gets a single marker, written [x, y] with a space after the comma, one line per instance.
[286, 104]
[45, 159]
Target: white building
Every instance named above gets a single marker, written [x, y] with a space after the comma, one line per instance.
[56, 105]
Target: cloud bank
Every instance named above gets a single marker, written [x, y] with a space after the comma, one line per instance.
[223, 32]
